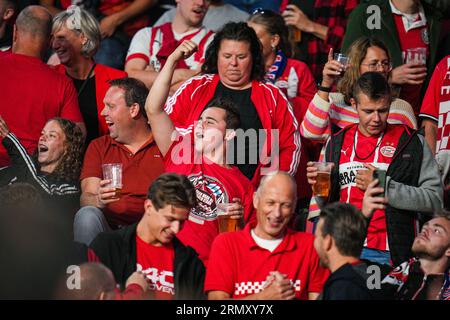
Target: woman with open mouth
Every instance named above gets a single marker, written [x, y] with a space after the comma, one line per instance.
[53, 169]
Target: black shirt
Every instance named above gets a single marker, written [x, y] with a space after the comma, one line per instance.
[244, 155]
[88, 106]
[346, 284]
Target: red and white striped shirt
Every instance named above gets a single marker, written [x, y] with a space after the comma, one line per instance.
[155, 44]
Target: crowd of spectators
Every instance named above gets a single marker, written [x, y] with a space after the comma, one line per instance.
[219, 114]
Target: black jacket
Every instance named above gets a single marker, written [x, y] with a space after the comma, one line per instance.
[117, 250]
[405, 168]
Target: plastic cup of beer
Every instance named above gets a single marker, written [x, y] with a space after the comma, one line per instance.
[226, 224]
[323, 183]
[113, 172]
[416, 55]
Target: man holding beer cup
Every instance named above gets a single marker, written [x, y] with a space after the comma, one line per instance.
[397, 155]
[223, 192]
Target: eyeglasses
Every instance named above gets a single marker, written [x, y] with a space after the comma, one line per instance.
[375, 65]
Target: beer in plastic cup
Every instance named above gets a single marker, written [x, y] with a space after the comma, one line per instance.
[113, 172]
[416, 55]
[296, 34]
[323, 183]
[226, 224]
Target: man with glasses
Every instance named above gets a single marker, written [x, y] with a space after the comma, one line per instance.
[412, 181]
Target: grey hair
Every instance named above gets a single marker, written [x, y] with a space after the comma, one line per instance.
[80, 21]
[266, 178]
[442, 214]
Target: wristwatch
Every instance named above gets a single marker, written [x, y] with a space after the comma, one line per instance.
[324, 89]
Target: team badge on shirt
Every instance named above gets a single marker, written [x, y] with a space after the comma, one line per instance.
[209, 192]
[388, 151]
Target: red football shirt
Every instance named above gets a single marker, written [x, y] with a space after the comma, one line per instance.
[383, 148]
[214, 184]
[413, 38]
[157, 264]
[239, 267]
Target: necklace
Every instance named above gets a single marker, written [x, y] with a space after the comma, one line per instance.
[376, 147]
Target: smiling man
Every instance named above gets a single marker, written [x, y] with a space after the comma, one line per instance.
[412, 179]
[130, 142]
[266, 260]
[427, 275]
[151, 246]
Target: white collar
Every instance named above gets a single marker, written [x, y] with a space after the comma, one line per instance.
[410, 21]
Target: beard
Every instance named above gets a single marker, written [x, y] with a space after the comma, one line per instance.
[422, 251]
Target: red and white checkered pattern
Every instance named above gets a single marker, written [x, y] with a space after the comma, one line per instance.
[246, 288]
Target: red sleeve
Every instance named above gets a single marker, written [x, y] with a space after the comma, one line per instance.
[338, 23]
[289, 135]
[219, 273]
[92, 164]
[317, 274]
[92, 256]
[305, 91]
[430, 103]
[179, 103]
[132, 292]
[70, 109]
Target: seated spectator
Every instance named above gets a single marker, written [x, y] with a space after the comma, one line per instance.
[218, 14]
[290, 76]
[8, 10]
[96, 282]
[150, 47]
[234, 69]
[412, 183]
[32, 93]
[426, 275]
[76, 37]
[435, 115]
[266, 260]
[151, 246]
[204, 161]
[339, 240]
[321, 24]
[130, 142]
[54, 169]
[404, 25]
[330, 111]
[119, 20]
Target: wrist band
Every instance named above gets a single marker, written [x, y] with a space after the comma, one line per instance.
[324, 89]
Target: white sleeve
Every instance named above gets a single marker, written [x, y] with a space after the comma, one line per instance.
[140, 45]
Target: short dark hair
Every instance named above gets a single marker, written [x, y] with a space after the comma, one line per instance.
[236, 31]
[232, 117]
[172, 189]
[346, 225]
[374, 85]
[135, 92]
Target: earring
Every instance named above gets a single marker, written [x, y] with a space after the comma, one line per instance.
[274, 48]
